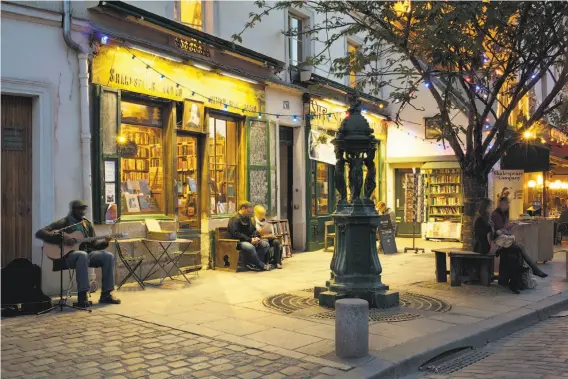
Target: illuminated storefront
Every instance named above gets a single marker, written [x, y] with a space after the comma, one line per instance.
[173, 141]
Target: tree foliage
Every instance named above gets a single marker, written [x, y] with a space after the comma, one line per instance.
[480, 58]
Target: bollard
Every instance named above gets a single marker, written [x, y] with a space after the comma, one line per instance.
[351, 328]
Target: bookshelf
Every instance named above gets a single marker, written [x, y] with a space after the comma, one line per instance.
[142, 174]
[186, 179]
[282, 231]
[445, 203]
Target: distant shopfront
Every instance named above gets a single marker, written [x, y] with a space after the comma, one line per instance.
[174, 141]
[325, 120]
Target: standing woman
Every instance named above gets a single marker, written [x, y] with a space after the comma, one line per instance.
[484, 243]
[500, 218]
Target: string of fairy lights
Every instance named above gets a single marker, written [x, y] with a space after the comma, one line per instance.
[296, 117]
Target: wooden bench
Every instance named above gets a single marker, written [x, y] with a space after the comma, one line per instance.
[460, 260]
[226, 253]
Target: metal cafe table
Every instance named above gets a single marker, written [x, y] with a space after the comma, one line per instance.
[171, 257]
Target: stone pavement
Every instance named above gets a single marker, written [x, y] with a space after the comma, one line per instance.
[538, 352]
[102, 345]
[274, 312]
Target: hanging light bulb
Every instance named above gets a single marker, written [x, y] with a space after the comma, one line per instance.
[226, 106]
[295, 118]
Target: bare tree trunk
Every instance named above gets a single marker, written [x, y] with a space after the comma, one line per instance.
[475, 188]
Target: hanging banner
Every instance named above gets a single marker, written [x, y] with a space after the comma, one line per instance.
[509, 184]
[321, 149]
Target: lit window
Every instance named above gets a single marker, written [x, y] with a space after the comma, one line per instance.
[295, 42]
[352, 49]
[223, 176]
[189, 12]
[141, 166]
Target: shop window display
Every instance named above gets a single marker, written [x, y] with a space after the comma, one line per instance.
[141, 168]
[222, 140]
[320, 189]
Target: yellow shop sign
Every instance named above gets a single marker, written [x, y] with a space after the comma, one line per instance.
[156, 76]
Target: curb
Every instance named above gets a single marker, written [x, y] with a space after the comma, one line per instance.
[404, 359]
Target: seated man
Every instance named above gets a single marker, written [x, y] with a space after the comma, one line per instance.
[241, 227]
[90, 255]
[266, 232]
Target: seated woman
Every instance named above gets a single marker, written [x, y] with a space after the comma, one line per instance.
[484, 244]
[500, 218]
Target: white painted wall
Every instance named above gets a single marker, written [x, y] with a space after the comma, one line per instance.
[33, 52]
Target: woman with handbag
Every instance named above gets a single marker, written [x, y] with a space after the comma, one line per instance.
[487, 241]
[500, 218]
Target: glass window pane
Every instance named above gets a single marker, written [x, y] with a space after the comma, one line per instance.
[140, 114]
[190, 13]
[142, 173]
[187, 176]
[223, 158]
[322, 188]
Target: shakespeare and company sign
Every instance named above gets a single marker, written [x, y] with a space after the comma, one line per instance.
[509, 183]
[114, 67]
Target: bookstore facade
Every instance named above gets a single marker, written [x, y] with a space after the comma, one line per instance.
[173, 141]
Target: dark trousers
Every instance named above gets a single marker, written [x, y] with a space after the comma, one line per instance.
[276, 247]
[510, 266]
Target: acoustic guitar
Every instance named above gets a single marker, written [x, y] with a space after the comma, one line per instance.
[53, 251]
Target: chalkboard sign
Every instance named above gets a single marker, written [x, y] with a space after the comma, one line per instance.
[386, 233]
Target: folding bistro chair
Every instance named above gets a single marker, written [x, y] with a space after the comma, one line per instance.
[131, 264]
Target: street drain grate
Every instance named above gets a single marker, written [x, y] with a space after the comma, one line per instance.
[450, 363]
[375, 316]
[287, 303]
[423, 302]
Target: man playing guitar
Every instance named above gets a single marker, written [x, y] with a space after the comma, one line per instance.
[90, 255]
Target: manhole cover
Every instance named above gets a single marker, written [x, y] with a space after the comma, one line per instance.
[423, 302]
[287, 303]
[375, 316]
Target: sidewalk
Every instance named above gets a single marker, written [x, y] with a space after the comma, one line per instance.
[275, 313]
[230, 306]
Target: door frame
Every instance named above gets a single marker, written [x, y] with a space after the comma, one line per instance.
[43, 190]
[290, 190]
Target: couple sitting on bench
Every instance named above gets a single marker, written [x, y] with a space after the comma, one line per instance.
[257, 239]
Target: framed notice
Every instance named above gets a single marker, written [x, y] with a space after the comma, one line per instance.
[193, 113]
[433, 127]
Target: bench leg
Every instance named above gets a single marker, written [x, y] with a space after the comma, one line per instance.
[455, 272]
[485, 272]
[441, 268]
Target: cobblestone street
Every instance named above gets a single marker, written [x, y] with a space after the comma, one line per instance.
[538, 352]
[102, 345]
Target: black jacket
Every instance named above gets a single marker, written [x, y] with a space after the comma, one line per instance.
[242, 228]
[47, 235]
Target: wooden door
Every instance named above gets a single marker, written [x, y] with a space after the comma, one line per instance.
[16, 178]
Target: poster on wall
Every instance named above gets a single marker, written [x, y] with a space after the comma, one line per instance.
[192, 116]
[509, 183]
[321, 149]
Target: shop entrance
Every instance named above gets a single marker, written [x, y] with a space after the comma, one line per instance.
[286, 175]
[404, 229]
[16, 178]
